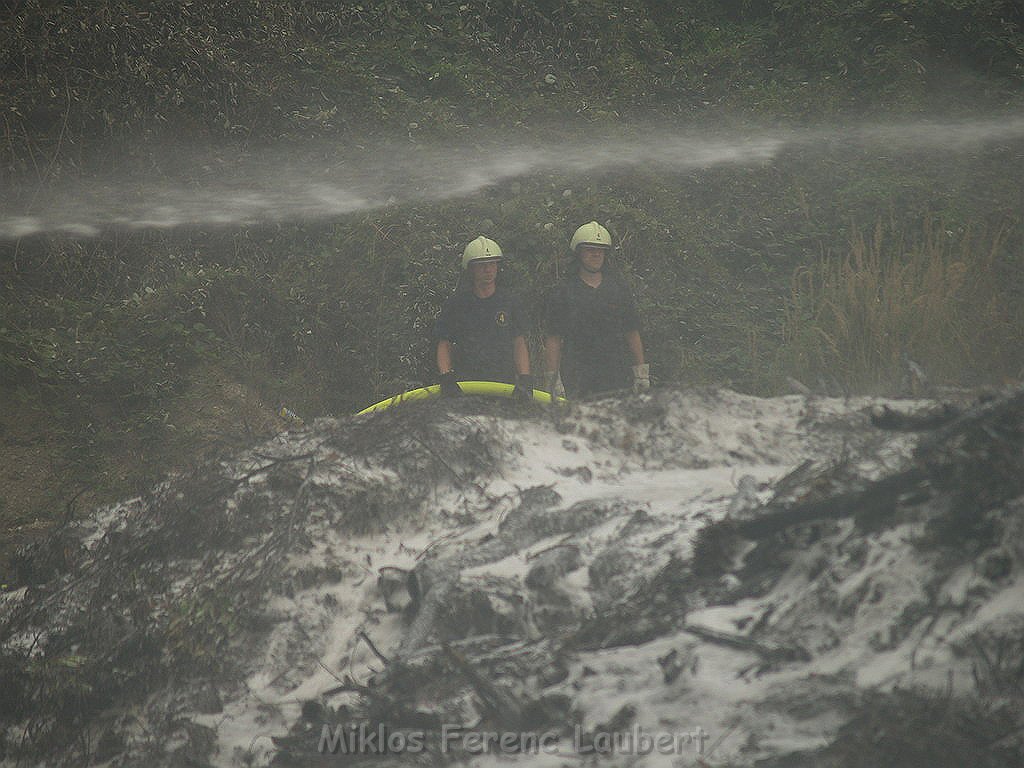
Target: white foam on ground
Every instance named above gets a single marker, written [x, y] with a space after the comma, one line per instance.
[678, 457]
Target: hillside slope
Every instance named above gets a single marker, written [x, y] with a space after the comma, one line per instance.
[212, 210]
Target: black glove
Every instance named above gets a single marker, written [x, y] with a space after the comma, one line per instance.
[450, 385]
[523, 393]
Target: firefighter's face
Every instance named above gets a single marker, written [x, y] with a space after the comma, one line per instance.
[483, 272]
[591, 257]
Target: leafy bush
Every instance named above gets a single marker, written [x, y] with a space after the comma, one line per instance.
[131, 348]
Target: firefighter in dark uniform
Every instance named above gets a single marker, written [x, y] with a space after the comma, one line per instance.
[481, 331]
[592, 338]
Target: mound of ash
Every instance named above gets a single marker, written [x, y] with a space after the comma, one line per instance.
[811, 582]
[167, 590]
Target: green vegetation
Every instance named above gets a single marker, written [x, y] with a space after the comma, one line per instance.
[941, 303]
[131, 352]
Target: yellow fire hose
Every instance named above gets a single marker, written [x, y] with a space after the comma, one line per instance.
[487, 388]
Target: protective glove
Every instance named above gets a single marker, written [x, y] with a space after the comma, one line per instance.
[523, 393]
[553, 384]
[450, 385]
[641, 377]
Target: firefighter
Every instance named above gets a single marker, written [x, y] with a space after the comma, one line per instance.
[481, 331]
[592, 340]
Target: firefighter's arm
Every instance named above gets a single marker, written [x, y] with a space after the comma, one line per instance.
[552, 352]
[444, 356]
[521, 355]
[641, 371]
[636, 347]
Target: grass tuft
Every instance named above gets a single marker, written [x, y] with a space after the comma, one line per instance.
[898, 314]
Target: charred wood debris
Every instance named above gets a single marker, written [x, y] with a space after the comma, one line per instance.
[104, 626]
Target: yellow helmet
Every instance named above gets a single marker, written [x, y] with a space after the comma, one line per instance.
[481, 249]
[591, 234]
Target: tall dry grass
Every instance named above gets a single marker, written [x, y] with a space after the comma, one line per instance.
[939, 303]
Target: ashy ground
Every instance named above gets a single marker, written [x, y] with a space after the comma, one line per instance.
[742, 581]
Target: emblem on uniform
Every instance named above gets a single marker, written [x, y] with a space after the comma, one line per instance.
[501, 319]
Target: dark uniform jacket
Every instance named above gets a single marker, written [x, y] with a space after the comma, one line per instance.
[481, 332]
[592, 323]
